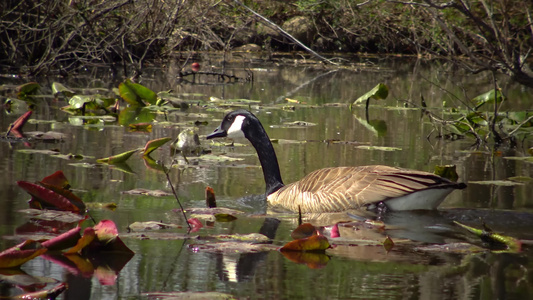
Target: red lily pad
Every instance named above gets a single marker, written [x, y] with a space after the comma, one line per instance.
[57, 179]
[45, 294]
[303, 231]
[88, 236]
[63, 241]
[48, 196]
[316, 243]
[21, 253]
[17, 125]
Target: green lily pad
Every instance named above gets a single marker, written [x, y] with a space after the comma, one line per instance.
[119, 158]
[380, 91]
[154, 144]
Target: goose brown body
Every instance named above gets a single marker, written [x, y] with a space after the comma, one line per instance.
[339, 188]
[343, 188]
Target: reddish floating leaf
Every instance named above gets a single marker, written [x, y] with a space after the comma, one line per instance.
[388, 244]
[335, 231]
[67, 194]
[303, 231]
[210, 199]
[312, 243]
[195, 223]
[57, 179]
[48, 196]
[88, 237]
[21, 253]
[46, 294]
[108, 240]
[63, 241]
[17, 125]
[106, 231]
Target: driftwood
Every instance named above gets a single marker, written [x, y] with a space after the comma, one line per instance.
[220, 76]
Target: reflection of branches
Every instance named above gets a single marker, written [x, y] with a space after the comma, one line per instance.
[293, 91]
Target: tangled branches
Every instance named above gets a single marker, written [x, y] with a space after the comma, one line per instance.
[56, 35]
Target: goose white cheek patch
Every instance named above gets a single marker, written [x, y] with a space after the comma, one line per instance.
[235, 129]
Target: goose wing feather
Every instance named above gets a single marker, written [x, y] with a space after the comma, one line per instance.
[342, 188]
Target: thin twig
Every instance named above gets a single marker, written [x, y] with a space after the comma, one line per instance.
[285, 33]
[167, 171]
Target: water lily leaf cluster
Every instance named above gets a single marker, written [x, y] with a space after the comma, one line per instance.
[60, 239]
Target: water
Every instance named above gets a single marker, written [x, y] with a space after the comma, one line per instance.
[351, 270]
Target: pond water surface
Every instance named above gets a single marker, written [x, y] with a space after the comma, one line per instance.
[399, 136]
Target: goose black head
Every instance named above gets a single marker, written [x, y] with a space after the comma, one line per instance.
[233, 125]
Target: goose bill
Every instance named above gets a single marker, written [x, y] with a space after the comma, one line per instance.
[219, 132]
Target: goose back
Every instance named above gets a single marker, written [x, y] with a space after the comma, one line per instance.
[342, 188]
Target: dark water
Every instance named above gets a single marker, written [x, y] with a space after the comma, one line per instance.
[352, 269]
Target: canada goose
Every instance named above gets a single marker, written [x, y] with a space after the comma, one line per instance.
[340, 188]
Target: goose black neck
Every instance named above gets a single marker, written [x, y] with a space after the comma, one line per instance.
[258, 137]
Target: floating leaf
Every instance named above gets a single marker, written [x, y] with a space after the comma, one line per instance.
[58, 88]
[154, 144]
[150, 225]
[494, 239]
[27, 89]
[63, 241]
[129, 95]
[45, 294]
[303, 231]
[86, 239]
[312, 243]
[106, 231]
[152, 193]
[48, 197]
[134, 93]
[195, 224]
[67, 194]
[497, 182]
[17, 125]
[58, 178]
[190, 295]
[388, 244]
[225, 218]
[380, 91]
[210, 199]
[379, 148]
[447, 171]
[488, 97]
[80, 101]
[335, 233]
[21, 253]
[119, 158]
[144, 127]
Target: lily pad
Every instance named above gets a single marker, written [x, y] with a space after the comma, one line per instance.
[380, 91]
[21, 253]
[315, 243]
[151, 225]
[119, 158]
[154, 144]
[379, 148]
[497, 182]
